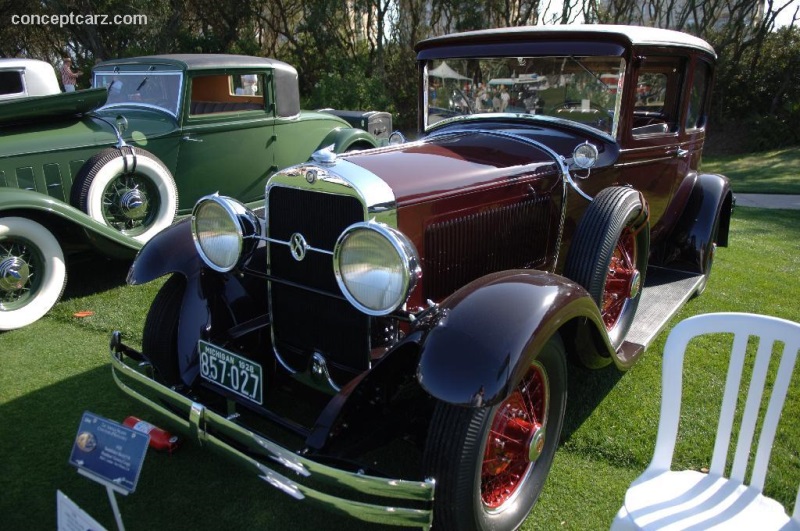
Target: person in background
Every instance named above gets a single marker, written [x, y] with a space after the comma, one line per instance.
[68, 76]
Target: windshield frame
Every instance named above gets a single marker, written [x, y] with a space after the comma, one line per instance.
[457, 111]
[98, 75]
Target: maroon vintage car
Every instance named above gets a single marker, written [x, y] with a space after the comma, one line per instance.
[422, 299]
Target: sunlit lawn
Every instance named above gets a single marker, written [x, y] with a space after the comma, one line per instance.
[770, 172]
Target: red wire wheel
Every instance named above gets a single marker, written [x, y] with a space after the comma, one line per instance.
[490, 463]
[623, 281]
[608, 257]
[516, 439]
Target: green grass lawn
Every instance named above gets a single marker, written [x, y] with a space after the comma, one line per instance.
[771, 172]
[54, 370]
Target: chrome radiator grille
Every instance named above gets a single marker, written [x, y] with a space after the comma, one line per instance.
[309, 313]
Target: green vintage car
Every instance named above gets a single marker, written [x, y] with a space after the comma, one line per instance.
[108, 168]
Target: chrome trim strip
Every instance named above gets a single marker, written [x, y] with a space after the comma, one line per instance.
[201, 420]
[289, 244]
[642, 162]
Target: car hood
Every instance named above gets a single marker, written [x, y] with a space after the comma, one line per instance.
[455, 162]
[96, 129]
[66, 105]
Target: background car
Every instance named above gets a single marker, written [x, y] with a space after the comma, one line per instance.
[156, 134]
[421, 300]
[20, 78]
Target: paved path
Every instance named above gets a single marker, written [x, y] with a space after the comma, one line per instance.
[768, 201]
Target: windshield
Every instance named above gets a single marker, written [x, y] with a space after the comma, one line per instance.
[581, 89]
[148, 89]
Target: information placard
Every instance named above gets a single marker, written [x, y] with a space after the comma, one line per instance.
[109, 452]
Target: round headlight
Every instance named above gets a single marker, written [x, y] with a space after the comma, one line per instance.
[585, 155]
[376, 267]
[220, 227]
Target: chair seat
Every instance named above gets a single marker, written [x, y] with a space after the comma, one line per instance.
[692, 500]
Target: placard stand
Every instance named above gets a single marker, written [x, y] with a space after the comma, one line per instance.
[110, 454]
[110, 489]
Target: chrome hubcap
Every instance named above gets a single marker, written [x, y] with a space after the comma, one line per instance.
[14, 274]
[636, 284]
[133, 204]
[536, 444]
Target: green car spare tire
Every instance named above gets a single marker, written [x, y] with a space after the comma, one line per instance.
[32, 272]
[127, 189]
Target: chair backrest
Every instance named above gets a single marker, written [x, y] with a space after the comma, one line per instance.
[742, 326]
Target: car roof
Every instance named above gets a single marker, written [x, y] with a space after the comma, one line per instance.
[7, 63]
[632, 35]
[202, 61]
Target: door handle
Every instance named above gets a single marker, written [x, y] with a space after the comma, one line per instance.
[189, 138]
[681, 153]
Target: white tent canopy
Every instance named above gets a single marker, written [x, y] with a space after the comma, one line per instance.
[445, 72]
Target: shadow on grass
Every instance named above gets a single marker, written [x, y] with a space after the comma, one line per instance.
[190, 489]
[586, 389]
[93, 273]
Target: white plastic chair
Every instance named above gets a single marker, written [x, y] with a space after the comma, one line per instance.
[665, 499]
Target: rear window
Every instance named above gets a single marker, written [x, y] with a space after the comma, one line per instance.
[11, 83]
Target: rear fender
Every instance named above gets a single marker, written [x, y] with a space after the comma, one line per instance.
[347, 138]
[711, 200]
[491, 329]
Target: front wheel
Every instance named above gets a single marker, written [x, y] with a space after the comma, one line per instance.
[490, 464]
[32, 272]
[160, 336]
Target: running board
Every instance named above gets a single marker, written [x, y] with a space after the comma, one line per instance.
[665, 292]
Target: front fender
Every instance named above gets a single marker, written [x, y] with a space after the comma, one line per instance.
[55, 214]
[345, 138]
[492, 328]
[170, 251]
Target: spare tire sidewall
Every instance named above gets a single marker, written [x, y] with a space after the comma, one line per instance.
[104, 171]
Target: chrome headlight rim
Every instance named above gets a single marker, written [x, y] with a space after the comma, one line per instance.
[585, 155]
[245, 224]
[407, 257]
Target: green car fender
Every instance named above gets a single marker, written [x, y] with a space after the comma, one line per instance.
[56, 216]
[347, 139]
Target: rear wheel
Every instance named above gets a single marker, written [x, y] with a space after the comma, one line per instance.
[609, 256]
[160, 337]
[490, 464]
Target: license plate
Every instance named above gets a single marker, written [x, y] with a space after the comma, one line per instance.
[231, 371]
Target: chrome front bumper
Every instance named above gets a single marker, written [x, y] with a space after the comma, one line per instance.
[197, 422]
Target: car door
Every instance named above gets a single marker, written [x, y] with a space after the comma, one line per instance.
[227, 139]
[655, 159]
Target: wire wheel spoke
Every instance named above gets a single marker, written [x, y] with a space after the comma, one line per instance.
[518, 425]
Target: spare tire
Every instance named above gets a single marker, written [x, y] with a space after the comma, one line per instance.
[127, 189]
[608, 256]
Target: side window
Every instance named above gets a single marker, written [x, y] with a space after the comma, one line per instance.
[11, 83]
[657, 97]
[225, 93]
[696, 115]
